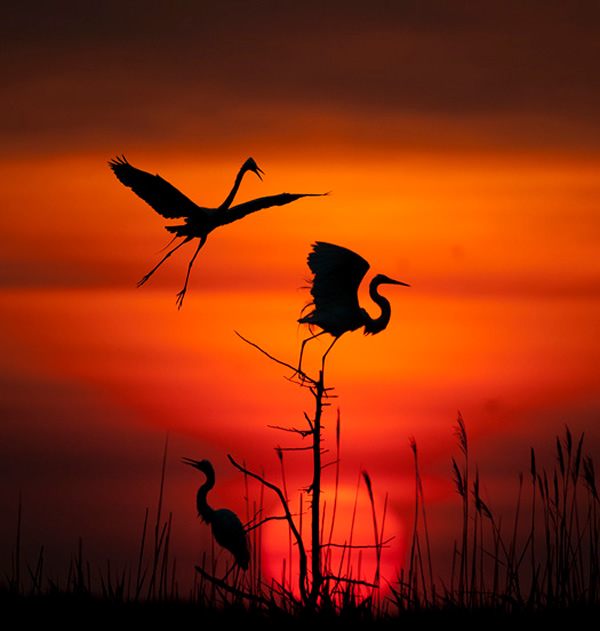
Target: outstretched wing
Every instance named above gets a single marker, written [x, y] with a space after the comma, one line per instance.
[241, 210]
[158, 193]
[338, 273]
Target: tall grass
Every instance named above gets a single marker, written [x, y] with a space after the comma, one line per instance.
[547, 559]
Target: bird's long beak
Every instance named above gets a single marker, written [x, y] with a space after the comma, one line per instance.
[192, 463]
[391, 281]
[258, 171]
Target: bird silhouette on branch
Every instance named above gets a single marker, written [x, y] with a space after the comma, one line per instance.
[337, 274]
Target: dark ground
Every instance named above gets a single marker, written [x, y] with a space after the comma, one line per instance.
[75, 612]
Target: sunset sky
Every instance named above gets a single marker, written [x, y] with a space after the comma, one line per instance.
[461, 145]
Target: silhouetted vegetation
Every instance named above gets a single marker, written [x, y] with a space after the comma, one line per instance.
[547, 561]
[544, 564]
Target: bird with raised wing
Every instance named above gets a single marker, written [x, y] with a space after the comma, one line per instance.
[227, 529]
[199, 222]
[337, 274]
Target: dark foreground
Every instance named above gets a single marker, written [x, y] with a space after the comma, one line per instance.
[71, 611]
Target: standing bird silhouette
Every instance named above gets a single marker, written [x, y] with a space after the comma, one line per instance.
[169, 202]
[227, 529]
[338, 273]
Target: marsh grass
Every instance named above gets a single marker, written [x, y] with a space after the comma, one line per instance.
[546, 561]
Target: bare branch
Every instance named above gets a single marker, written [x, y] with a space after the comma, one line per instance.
[290, 520]
[303, 376]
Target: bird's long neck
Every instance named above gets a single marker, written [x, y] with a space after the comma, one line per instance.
[238, 180]
[204, 510]
[376, 325]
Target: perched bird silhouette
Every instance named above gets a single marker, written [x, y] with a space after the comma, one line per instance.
[227, 529]
[338, 273]
[169, 202]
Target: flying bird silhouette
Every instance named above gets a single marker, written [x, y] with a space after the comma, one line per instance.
[169, 202]
[338, 273]
[227, 529]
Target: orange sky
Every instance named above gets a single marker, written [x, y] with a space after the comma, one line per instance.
[461, 152]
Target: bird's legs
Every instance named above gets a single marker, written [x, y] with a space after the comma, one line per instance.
[181, 294]
[165, 257]
[327, 351]
[312, 337]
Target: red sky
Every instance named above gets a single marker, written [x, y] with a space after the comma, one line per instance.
[461, 149]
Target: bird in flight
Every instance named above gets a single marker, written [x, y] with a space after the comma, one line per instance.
[199, 222]
[338, 273]
[227, 529]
